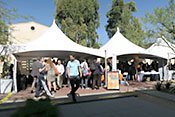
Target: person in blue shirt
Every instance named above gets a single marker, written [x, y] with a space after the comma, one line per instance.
[74, 74]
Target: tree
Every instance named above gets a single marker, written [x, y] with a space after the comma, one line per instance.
[6, 16]
[120, 15]
[161, 22]
[79, 20]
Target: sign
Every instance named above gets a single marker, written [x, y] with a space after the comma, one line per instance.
[113, 80]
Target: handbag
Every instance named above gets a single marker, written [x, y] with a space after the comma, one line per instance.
[56, 71]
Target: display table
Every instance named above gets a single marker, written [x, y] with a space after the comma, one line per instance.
[143, 74]
[5, 85]
[170, 74]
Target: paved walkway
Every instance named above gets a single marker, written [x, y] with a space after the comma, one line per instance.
[62, 93]
[113, 105]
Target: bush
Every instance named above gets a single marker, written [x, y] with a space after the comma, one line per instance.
[168, 84]
[41, 108]
[158, 86]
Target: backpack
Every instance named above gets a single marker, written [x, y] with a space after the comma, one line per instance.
[55, 70]
[92, 67]
[85, 70]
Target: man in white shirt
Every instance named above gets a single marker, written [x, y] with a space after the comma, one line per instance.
[60, 69]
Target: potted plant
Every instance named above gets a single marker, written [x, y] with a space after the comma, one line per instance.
[158, 86]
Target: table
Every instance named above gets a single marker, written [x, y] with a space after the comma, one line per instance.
[152, 74]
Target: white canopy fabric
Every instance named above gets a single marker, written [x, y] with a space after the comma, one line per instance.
[161, 48]
[119, 45]
[55, 43]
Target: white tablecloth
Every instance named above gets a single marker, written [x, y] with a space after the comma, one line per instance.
[5, 85]
[142, 73]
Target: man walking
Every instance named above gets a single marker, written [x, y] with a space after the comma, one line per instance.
[74, 74]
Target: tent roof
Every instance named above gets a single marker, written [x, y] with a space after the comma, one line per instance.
[161, 48]
[119, 45]
[55, 43]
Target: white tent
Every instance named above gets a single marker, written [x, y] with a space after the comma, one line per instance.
[161, 48]
[119, 45]
[55, 43]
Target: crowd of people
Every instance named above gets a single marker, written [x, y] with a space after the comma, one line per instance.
[50, 75]
[54, 74]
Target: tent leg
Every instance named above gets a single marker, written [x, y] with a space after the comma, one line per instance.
[106, 80]
[14, 76]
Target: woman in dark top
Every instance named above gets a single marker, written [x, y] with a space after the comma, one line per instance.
[97, 75]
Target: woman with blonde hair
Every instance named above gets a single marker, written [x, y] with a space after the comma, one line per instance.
[50, 75]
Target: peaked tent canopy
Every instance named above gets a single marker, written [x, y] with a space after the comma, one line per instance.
[54, 43]
[162, 49]
[119, 45]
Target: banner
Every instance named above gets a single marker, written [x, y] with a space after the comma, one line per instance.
[113, 80]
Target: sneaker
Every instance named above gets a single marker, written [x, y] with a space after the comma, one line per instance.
[52, 96]
[97, 88]
[77, 94]
[36, 97]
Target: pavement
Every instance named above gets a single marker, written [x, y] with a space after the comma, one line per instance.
[120, 107]
[137, 100]
[159, 94]
[23, 95]
[132, 105]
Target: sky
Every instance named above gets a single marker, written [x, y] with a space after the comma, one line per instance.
[43, 11]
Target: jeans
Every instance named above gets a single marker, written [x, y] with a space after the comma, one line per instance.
[42, 81]
[60, 81]
[33, 83]
[84, 81]
[75, 83]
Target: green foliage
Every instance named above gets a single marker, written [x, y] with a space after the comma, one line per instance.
[120, 15]
[3, 32]
[161, 22]
[79, 20]
[41, 108]
[6, 15]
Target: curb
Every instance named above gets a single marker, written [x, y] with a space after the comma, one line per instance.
[66, 100]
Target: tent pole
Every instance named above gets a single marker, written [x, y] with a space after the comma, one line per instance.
[106, 69]
[15, 76]
[114, 62]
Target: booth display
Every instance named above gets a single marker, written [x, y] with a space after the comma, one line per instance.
[113, 80]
